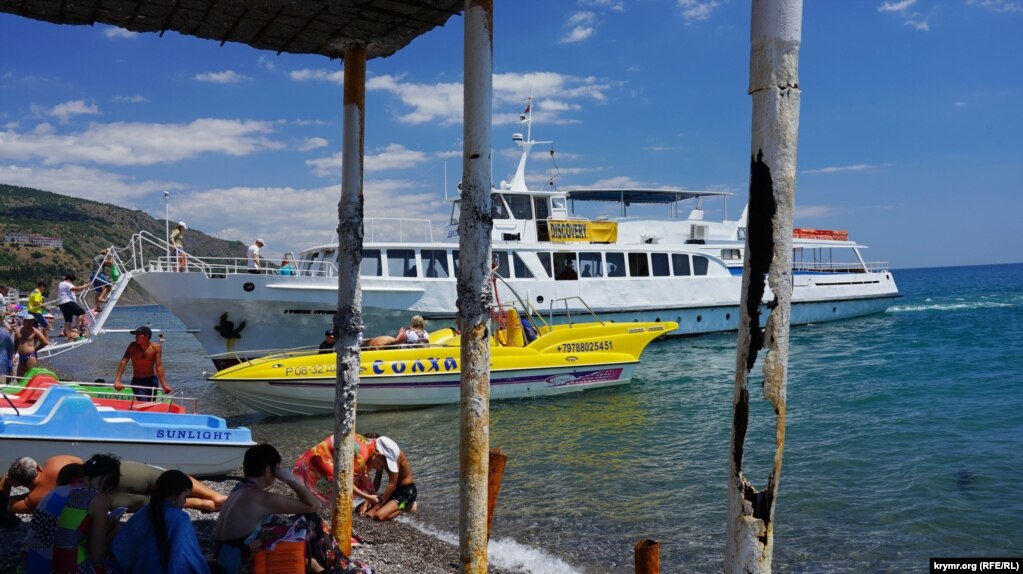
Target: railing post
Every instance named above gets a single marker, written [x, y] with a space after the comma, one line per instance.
[648, 557]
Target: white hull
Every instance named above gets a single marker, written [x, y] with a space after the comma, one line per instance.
[316, 397]
[291, 312]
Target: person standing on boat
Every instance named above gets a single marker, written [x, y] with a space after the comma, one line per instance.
[74, 315]
[36, 305]
[147, 365]
[177, 239]
[253, 256]
[30, 340]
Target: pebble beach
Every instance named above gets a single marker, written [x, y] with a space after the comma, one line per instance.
[389, 547]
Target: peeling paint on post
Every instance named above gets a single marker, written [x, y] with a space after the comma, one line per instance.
[474, 290]
[774, 85]
[348, 320]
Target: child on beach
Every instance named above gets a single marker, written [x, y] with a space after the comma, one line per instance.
[400, 493]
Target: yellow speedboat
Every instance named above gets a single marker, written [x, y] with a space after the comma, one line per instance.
[552, 359]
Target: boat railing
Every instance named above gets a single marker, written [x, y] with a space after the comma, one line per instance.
[392, 228]
[106, 391]
[562, 304]
[150, 253]
[249, 355]
[840, 267]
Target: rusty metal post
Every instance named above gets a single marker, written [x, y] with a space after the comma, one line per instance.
[348, 320]
[648, 557]
[775, 36]
[474, 291]
[494, 477]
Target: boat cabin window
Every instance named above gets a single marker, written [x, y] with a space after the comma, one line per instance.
[370, 265]
[401, 262]
[680, 264]
[435, 263]
[615, 264]
[590, 265]
[456, 211]
[545, 261]
[454, 261]
[521, 271]
[497, 208]
[311, 265]
[541, 207]
[700, 264]
[558, 203]
[731, 254]
[565, 267]
[638, 266]
[500, 264]
[520, 206]
[659, 261]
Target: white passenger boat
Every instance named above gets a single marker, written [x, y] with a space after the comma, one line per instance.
[686, 270]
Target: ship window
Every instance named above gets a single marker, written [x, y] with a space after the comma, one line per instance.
[454, 260]
[680, 262]
[497, 210]
[370, 266]
[401, 263]
[520, 206]
[565, 267]
[700, 265]
[638, 266]
[542, 209]
[558, 202]
[660, 264]
[731, 254]
[615, 264]
[521, 271]
[435, 262]
[545, 261]
[590, 265]
[500, 262]
[456, 211]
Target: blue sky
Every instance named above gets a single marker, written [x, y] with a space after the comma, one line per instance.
[909, 135]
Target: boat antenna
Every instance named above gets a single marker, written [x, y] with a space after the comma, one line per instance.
[445, 180]
[526, 117]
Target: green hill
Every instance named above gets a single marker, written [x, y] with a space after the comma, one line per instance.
[86, 228]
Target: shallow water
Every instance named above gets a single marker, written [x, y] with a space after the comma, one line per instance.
[903, 441]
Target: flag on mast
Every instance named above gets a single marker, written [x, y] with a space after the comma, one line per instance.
[524, 116]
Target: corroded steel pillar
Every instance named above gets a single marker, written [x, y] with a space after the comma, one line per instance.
[474, 287]
[774, 85]
[348, 320]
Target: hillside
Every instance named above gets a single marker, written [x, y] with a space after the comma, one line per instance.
[86, 227]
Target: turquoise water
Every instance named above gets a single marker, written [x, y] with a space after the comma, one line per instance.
[904, 441]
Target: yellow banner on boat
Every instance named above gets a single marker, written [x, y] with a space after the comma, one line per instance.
[586, 231]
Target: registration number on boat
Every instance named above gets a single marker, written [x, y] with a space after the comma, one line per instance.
[585, 347]
[309, 370]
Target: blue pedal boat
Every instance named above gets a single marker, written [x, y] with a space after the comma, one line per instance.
[64, 421]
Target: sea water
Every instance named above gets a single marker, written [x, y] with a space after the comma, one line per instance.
[904, 441]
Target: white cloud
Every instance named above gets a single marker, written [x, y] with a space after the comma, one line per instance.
[959, 104]
[581, 19]
[63, 112]
[115, 33]
[854, 167]
[998, 6]
[307, 75]
[138, 143]
[265, 62]
[85, 183]
[225, 77]
[697, 10]
[802, 211]
[577, 34]
[136, 99]
[312, 143]
[394, 156]
[244, 213]
[896, 6]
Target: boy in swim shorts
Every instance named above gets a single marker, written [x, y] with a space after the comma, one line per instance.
[400, 494]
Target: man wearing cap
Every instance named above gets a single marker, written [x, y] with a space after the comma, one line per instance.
[400, 493]
[146, 364]
[177, 239]
[327, 345]
[29, 340]
[253, 255]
